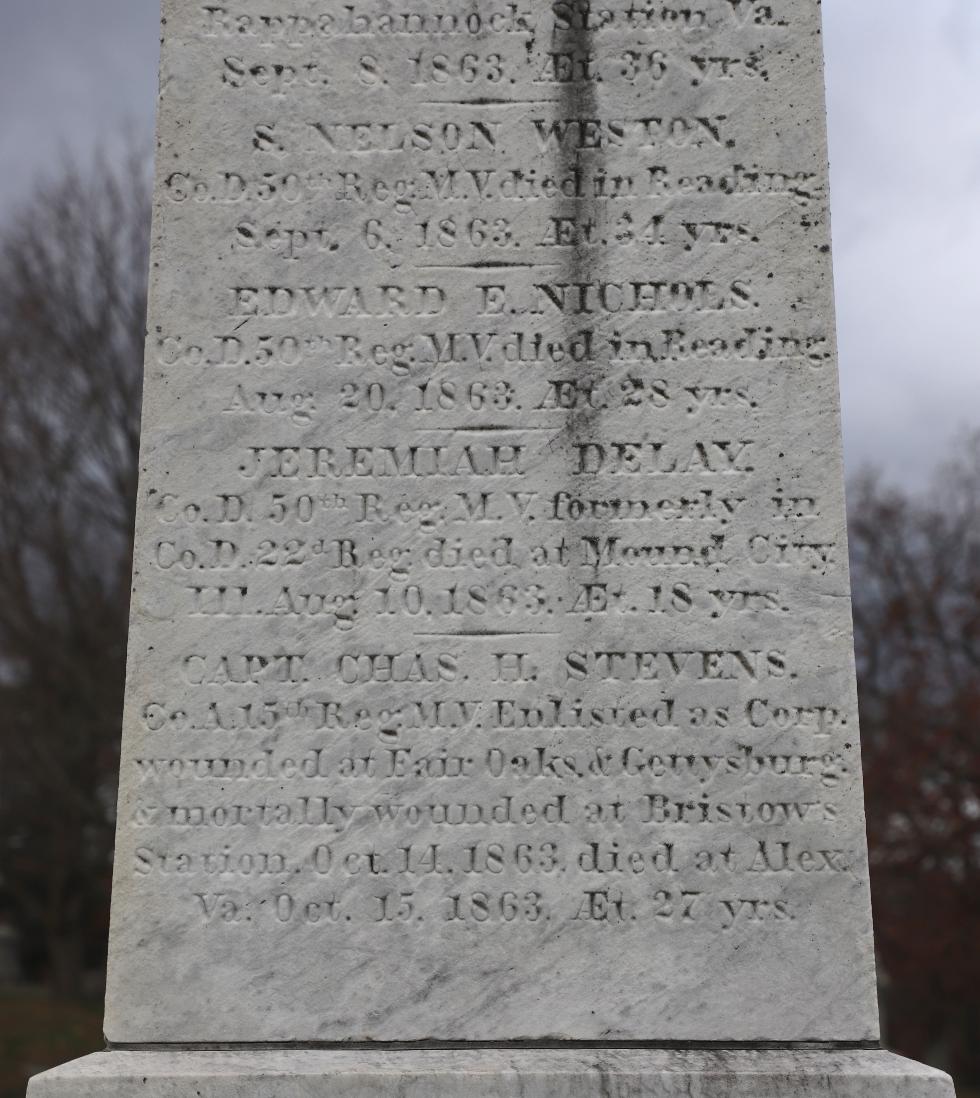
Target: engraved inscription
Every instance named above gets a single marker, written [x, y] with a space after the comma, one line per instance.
[490, 604]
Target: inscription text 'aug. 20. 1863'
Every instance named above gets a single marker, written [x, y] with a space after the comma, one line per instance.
[490, 668]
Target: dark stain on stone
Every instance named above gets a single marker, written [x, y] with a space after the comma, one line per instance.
[581, 261]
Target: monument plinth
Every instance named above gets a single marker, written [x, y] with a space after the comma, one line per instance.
[491, 692]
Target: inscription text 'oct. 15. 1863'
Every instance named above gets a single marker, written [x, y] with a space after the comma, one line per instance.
[490, 668]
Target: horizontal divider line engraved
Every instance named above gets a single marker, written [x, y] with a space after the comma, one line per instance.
[484, 265]
[495, 429]
[485, 102]
[478, 1046]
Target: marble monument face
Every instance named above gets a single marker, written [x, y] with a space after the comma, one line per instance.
[490, 670]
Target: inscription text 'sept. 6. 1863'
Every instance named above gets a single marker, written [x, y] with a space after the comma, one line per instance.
[490, 671]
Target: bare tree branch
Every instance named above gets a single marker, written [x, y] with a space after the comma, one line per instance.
[73, 269]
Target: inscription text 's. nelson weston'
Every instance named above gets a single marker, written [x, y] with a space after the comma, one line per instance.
[490, 670]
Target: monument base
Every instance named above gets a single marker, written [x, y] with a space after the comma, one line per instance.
[494, 1073]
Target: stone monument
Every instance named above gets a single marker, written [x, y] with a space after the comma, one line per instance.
[491, 723]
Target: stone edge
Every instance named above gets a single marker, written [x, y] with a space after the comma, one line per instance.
[857, 1073]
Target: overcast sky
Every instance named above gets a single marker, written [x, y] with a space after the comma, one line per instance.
[904, 100]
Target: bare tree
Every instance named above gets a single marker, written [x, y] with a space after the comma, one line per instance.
[73, 269]
[917, 618]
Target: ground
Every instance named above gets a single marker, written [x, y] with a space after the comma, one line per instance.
[38, 1032]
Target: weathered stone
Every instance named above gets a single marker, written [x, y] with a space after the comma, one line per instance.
[490, 673]
[514, 1073]
[491, 669]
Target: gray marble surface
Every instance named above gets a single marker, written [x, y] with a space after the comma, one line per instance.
[537, 1073]
[490, 671]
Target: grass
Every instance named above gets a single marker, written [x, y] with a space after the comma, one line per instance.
[38, 1032]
